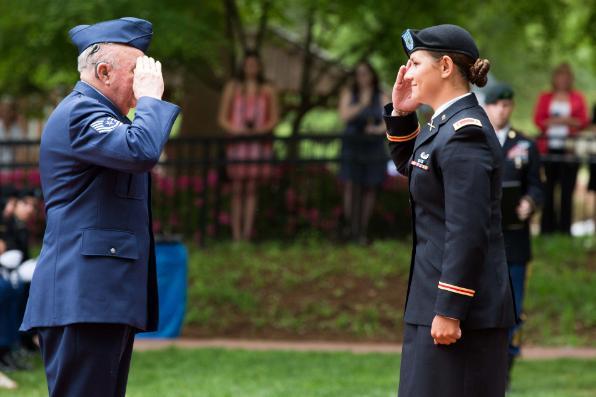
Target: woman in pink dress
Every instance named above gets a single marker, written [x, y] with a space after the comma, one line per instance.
[249, 108]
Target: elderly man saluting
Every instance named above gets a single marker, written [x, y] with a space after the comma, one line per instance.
[95, 284]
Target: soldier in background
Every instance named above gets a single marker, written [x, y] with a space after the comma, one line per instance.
[522, 197]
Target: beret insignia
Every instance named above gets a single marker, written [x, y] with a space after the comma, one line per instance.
[465, 122]
[408, 40]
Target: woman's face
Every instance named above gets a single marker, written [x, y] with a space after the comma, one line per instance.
[251, 67]
[364, 77]
[562, 80]
[424, 74]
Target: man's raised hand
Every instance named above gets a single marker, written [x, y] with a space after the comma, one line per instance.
[148, 80]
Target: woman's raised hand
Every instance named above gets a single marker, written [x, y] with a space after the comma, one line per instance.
[402, 92]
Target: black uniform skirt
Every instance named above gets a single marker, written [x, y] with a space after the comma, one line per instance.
[475, 366]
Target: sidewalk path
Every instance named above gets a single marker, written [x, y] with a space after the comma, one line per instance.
[530, 352]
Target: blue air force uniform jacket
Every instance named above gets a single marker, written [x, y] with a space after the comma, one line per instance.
[458, 266]
[522, 167]
[97, 263]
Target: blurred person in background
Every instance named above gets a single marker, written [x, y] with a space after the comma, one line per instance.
[13, 127]
[592, 181]
[16, 222]
[559, 114]
[14, 236]
[248, 108]
[17, 237]
[522, 197]
[10, 299]
[364, 153]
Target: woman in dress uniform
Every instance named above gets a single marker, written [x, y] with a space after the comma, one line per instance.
[459, 304]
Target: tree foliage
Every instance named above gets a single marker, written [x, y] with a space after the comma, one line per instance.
[522, 38]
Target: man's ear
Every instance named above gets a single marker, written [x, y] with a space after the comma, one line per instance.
[102, 71]
[447, 66]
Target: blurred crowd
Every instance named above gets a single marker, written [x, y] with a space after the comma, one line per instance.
[249, 112]
[19, 209]
[249, 108]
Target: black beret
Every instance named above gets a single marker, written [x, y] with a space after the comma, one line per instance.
[498, 92]
[447, 38]
[130, 31]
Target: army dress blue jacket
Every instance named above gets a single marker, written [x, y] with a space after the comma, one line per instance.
[97, 263]
[454, 166]
[522, 167]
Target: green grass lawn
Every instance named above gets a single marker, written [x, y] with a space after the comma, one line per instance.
[227, 373]
[319, 290]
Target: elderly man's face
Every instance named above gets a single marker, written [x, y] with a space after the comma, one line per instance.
[122, 77]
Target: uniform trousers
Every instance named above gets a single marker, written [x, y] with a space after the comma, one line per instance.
[10, 318]
[475, 366]
[557, 215]
[90, 360]
[517, 271]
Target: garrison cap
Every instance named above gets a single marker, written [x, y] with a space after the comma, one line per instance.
[498, 92]
[447, 38]
[130, 31]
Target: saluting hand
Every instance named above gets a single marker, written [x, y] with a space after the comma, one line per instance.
[445, 330]
[148, 80]
[402, 92]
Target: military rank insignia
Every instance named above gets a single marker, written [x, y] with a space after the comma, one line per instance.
[105, 125]
[422, 161]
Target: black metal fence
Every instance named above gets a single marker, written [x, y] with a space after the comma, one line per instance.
[297, 183]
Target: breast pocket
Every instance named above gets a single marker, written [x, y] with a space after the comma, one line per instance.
[130, 186]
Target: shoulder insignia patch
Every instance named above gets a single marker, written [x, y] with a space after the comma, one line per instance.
[105, 125]
[465, 122]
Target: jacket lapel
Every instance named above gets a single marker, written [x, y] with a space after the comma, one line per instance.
[433, 127]
[428, 131]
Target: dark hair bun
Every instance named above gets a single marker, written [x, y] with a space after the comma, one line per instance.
[479, 72]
